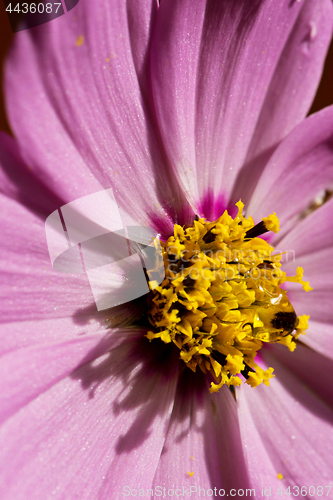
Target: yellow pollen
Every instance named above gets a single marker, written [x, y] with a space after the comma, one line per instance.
[272, 223]
[280, 476]
[79, 40]
[221, 299]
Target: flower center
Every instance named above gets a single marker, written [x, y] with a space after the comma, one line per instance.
[221, 298]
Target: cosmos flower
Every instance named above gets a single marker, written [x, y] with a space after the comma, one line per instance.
[182, 108]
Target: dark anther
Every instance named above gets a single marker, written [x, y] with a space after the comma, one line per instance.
[265, 265]
[257, 230]
[173, 258]
[219, 357]
[184, 264]
[250, 324]
[247, 370]
[196, 217]
[180, 307]
[177, 265]
[189, 282]
[209, 236]
[286, 321]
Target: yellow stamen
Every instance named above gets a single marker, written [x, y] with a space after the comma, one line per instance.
[272, 223]
[221, 298]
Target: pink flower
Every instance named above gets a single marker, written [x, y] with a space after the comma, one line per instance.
[181, 108]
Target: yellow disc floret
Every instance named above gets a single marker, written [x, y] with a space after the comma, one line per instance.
[221, 298]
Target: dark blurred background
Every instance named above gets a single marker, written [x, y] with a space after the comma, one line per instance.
[323, 98]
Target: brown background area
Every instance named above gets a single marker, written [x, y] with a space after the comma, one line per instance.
[323, 98]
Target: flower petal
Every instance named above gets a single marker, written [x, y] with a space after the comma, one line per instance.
[319, 337]
[19, 182]
[31, 289]
[309, 245]
[312, 234]
[312, 368]
[215, 68]
[291, 90]
[318, 270]
[293, 429]
[40, 305]
[290, 182]
[24, 334]
[76, 79]
[32, 370]
[141, 20]
[90, 435]
[317, 303]
[202, 447]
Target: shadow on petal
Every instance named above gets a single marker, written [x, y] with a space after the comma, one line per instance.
[303, 373]
[139, 364]
[203, 446]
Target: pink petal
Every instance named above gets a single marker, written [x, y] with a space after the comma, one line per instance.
[203, 439]
[19, 182]
[261, 469]
[38, 304]
[289, 183]
[310, 367]
[312, 234]
[31, 289]
[24, 334]
[309, 245]
[318, 270]
[215, 69]
[141, 21]
[291, 89]
[319, 337]
[32, 370]
[318, 304]
[91, 435]
[286, 429]
[76, 80]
